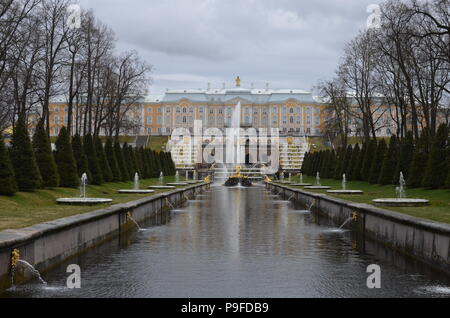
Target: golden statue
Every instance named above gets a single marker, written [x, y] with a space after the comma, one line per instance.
[238, 172]
[238, 81]
[268, 180]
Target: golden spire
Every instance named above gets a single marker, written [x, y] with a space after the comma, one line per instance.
[238, 81]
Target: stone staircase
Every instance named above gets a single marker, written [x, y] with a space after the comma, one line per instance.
[183, 155]
[292, 155]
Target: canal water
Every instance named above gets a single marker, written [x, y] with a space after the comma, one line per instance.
[239, 243]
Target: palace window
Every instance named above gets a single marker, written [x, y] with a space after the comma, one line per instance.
[292, 110]
[178, 110]
[149, 120]
[160, 119]
[184, 110]
[211, 120]
[184, 119]
[291, 120]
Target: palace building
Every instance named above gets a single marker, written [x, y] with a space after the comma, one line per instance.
[295, 112]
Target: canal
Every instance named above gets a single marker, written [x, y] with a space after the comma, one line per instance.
[239, 243]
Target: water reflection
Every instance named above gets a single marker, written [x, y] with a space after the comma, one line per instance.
[239, 243]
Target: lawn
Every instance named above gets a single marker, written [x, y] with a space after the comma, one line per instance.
[158, 143]
[26, 209]
[439, 210]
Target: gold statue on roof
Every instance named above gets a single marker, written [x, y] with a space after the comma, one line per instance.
[238, 81]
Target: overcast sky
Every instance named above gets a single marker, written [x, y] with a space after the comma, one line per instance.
[288, 43]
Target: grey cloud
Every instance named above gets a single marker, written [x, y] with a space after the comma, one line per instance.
[287, 42]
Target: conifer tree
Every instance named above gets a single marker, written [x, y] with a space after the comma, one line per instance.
[112, 161]
[26, 170]
[157, 163]
[80, 157]
[121, 162]
[353, 162]
[145, 164]
[419, 161]
[377, 162]
[405, 157]
[134, 161]
[345, 169]
[8, 185]
[104, 163]
[356, 171]
[44, 157]
[339, 164]
[128, 161]
[388, 166]
[436, 168]
[94, 165]
[65, 161]
[368, 159]
[447, 181]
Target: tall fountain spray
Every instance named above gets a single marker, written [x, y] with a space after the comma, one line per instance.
[195, 175]
[136, 181]
[401, 194]
[301, 178]
[187, 175]
[161, 178]
[344, 182]
[84, 180]
[233, 146]
[177, 177]
[290, 177]
[318, 179]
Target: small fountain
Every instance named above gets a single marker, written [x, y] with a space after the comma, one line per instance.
[344, 188]
[83, 199]
[195, 177]
[137, 188]
[130, 219]
[318, 185]
[161, 185]
[177, 181]
[401, 200]
[301, 184]
[15, 261]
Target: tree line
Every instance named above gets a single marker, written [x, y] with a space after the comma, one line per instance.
[424, 162]
[399, 69]
[30, 164]
[44, 55]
